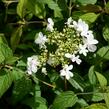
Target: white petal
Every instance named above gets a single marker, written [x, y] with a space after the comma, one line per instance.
[70, 67]
[67, 76]
[92, 48]
[71, 74]
[63, 72]
[50, 21]
[92, 41]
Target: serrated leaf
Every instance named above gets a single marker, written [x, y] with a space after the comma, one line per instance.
[5, 81]
[86, 2]
[11, 60]
[15, 38]
[92, 76]
[54, 6]
[5, 52]
[97, 96]
[89, 17]
[106, 98]
[3, 38]
[106, 33]
[96, 106]
[82, 102]
[76, 84]
[17, 73]
[39, 103]
[21, 88]
[37, 8]
[102, 80]
[64, 100]
[103, 52]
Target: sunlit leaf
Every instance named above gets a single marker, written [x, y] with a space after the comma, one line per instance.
[64, 100]
[102, 80]
[89, 17]
[6, 79]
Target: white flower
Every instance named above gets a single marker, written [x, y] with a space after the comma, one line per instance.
[50, 25]
[66, 71]
[87, 34]
[69, 22]
[90, 43]
[83, 50]
[44, 70]
[81, 27]
[73, 58]
[32, 64]
[41, 39]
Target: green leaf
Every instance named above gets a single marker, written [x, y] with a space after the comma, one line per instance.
[21, 63]
[5, 81]
[54, 6]
[3, 38]
[103, 52]
[5, 52]
[86, 2]
[76, 84]
[102, 80]
[64, 100]
[106, 98]
[17, 73]
[37, 8]
[39, 103]
[107, 7]
[82, 102]
[11, 60]
[97, 95]
[91, 8]
[21, 88]
[15, 38]
[106, 33]
[96, 106]
[92, 76]
[89, 17]
[21, 8]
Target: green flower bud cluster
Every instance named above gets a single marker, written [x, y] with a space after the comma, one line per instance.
[58, 44]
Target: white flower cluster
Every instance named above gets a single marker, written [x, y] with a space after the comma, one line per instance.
[88, 45]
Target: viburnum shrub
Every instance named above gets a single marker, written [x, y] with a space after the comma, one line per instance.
[62, 48]
[54, 54]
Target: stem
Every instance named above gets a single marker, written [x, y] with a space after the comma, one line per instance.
[36, 79]
[6, 12]
[31, 22]
[89, 93]
[70, 8]
[8, 66]
[65, 83]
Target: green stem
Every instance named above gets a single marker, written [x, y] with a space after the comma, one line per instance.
[65, 80]
[70, 8]
[6, 12]
[36, 79]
